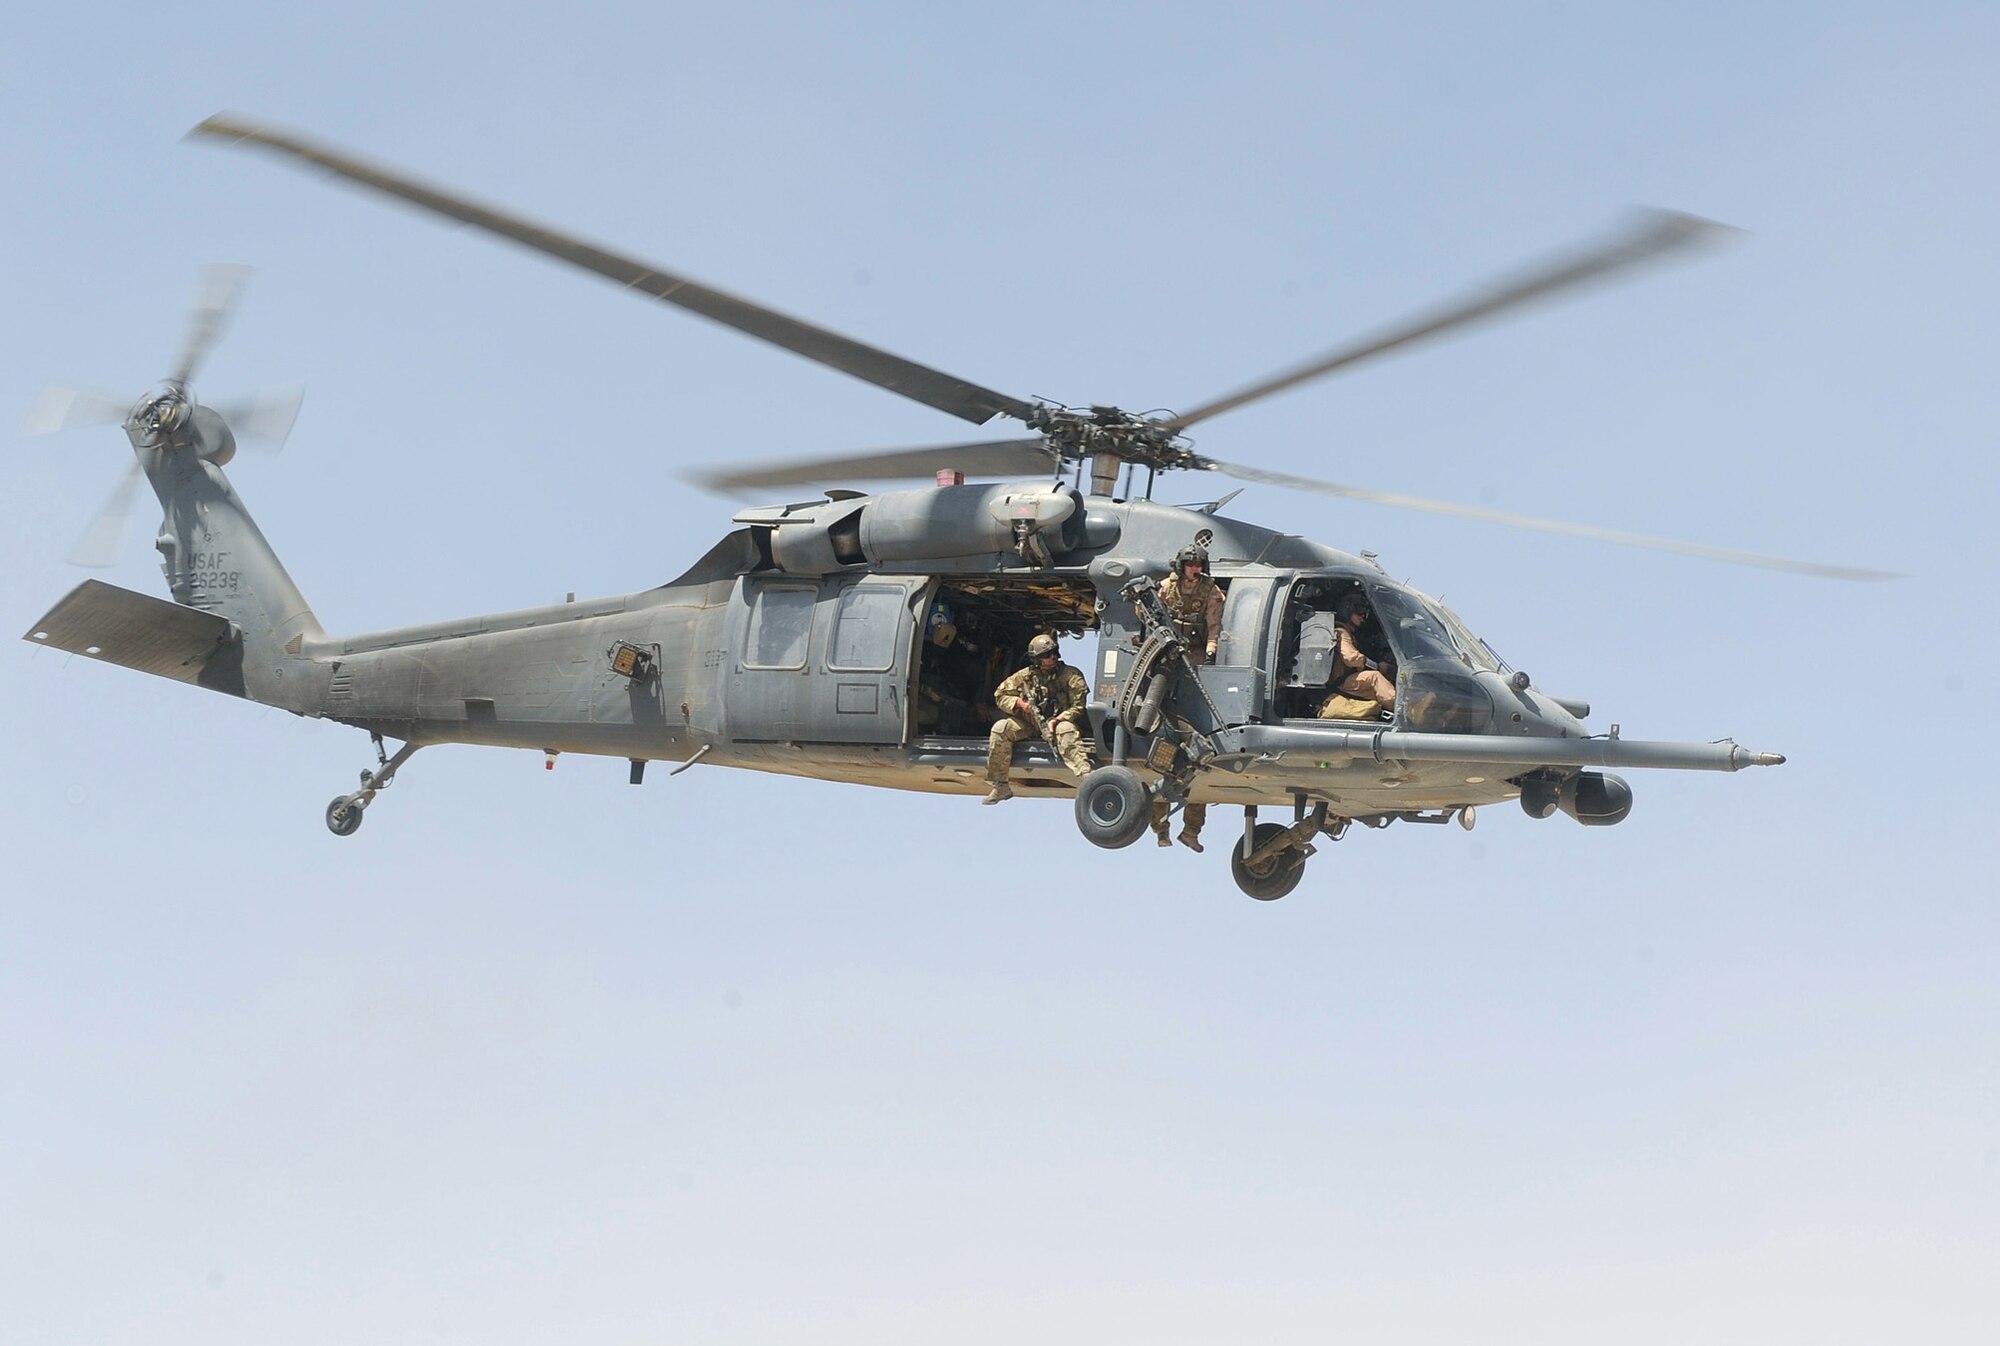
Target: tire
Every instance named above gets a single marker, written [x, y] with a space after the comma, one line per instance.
[1113, 807]
[343, 819]
[1273, 878]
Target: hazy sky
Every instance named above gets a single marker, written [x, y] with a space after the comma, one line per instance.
[538, 1056]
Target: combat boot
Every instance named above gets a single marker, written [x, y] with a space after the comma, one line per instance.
[1001, 790]
[1188, 839]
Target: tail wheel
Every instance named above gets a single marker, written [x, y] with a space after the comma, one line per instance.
[343, 816]
[1271, 878]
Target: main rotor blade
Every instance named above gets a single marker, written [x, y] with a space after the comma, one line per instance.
[98, 546]
[1655, 234]
[1742, 558]
[215, 296]
[993, 458]
[918, 382]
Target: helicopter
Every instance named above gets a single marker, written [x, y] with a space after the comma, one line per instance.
[858, 637]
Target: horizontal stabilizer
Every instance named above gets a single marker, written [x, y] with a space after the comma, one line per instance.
[102, 621]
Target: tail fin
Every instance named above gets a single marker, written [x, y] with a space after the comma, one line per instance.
[216, 561]
[213, 554]
[238, 624]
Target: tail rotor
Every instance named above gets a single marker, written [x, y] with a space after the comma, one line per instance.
[169, 416]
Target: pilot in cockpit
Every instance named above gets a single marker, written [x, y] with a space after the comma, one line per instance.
[1366, 668]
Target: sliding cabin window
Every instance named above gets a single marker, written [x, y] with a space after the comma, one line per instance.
[864, 629]
[780, 627]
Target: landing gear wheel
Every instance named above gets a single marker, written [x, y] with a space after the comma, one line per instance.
[1273, 877]
[1113, 807]
[343, 816]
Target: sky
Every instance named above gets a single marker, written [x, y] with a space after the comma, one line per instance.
[729, 1058]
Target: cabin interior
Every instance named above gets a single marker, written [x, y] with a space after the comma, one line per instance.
[977, 632]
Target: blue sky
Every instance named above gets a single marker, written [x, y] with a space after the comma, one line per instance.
[738, 1059]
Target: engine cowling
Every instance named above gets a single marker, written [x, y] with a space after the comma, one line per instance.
[947, 523]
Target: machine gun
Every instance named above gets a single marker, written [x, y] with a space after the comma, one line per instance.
[1163, 662]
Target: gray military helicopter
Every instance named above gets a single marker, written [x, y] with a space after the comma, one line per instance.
[858, 637]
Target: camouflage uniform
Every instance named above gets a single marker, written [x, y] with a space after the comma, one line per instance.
[1193, 818]
[1196, 607]
[1058, 696]
[1197, 612]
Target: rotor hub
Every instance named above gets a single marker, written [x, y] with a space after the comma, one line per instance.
[163, 413]
[1075, 434]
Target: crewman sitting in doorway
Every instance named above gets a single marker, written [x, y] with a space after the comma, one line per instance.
[1044, 700]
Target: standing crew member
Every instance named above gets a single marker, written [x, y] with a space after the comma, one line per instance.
[1195, 603]
[1044, 700]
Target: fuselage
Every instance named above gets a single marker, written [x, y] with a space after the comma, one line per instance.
[859, 638]
[783, 651]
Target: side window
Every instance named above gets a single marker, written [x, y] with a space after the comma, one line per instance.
[780, 627]
[864, 629]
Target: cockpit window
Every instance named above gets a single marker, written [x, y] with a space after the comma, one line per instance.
[1474, 650]
[1477, 651]
[1416, 632]
[1430, 627]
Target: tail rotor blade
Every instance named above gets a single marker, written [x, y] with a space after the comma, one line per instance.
[265, 419]
[216, 294]
[98, 547]
[60, 407]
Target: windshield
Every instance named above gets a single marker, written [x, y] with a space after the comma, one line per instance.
[1431, 628]
[1477, 651]
[1412, 627]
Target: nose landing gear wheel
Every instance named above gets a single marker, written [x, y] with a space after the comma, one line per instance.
[1272, 877]
[343, 816]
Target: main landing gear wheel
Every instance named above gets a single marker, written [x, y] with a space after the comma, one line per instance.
[1272, 877]
[343, 816]
[1113, 807]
